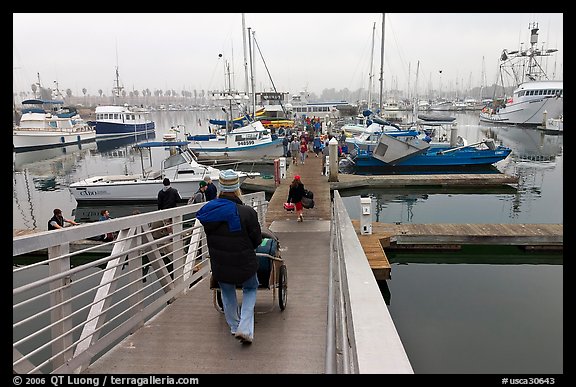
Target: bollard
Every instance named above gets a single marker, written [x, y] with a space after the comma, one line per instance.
[333, 155]
[282, 168]
[454, 135]
[366, 216]
[277, 172]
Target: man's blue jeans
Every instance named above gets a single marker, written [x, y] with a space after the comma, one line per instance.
[243, 323]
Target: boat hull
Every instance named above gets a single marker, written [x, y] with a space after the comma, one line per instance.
[24, 140]
[530, 112]
[214, 148]
[431, 158]
[111, 129]
[126, 188]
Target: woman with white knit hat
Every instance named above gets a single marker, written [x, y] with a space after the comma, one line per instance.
[233, 233]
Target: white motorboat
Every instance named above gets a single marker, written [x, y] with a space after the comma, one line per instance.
[181, 168]
[48, 124]
[534, 94]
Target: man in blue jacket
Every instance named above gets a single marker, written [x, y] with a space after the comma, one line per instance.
[233, 233]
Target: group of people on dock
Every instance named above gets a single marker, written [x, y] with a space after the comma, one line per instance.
[233, 233]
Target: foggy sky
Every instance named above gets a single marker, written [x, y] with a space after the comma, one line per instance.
[301, 51]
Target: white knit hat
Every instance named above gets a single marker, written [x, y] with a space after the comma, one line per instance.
[228, 181]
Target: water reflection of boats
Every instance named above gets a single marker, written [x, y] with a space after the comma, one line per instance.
[22, 159]
[90, 212]
[384, 198]
[105, 145]
[527, 144]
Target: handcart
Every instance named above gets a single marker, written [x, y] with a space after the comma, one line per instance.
[272, 273]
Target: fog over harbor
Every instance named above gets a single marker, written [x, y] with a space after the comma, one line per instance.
[300, 51]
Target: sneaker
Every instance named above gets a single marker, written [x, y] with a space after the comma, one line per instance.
[243, 337]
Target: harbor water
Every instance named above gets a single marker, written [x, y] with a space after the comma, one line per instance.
[500, 312]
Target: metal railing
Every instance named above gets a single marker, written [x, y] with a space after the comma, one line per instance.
[79, 299]
[361, 335]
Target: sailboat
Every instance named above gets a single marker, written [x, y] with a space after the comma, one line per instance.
[412, 148]
[535, 97]
[244, 137]
[121, 120]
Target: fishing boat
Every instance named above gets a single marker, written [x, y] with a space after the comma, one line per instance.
[121, 120]
[48, 124]
[415, 150]
[181, 167]
[534, 92]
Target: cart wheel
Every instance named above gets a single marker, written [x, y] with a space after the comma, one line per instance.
[218, 300]
[282, 287]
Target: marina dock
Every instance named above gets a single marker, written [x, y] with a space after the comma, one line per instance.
[190, 336]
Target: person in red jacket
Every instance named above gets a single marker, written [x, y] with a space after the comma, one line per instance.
[295, 194]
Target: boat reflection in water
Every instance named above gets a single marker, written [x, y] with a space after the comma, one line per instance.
[90, 212]
[396, 205]
[527, 144]
[106, 145]
[33, 158]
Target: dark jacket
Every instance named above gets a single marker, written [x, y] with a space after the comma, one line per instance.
[168, 198]
[295, 194]
[233, 233]
[211, 192]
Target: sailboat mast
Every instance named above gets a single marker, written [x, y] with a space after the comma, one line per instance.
[371, 75]
[245, 59]
[382, 62]
[252, 75]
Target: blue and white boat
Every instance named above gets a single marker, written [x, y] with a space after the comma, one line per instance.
[117, 121]
[121, 120]
[408, 149]
[251, 140]
[47, 124]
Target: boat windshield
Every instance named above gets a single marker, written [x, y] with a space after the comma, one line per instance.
[174, 160]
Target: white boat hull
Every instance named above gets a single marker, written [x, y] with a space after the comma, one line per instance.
[219, 148]
[29, 139]
[132, 188]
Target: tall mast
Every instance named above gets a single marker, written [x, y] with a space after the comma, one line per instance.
[371, 75]
[245, 57]
[382, 62]
[252, 75]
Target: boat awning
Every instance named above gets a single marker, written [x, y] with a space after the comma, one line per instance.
[41, 102]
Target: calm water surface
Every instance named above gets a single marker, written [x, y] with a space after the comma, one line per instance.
[452, 317]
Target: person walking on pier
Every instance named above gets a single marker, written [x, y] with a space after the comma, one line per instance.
[295, 194]
[294, 148]
[233, 233]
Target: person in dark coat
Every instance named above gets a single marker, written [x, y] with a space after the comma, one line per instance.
[233, 233]
[295, 194]
[211, 190]
[58, 220]
[168, 196]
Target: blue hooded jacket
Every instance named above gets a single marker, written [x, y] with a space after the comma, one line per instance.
[220, 210]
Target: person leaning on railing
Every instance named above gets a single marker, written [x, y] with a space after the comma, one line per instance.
[58, 220]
